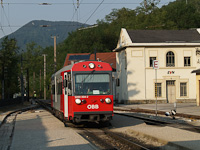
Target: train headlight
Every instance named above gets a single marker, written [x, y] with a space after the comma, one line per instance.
[91, 65]
[108, 100]
[78, 101]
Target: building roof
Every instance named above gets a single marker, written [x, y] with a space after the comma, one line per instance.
[164, 36]
[109, 57]
[196, 71]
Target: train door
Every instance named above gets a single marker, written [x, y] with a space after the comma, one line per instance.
[65, 94]
[55, 80]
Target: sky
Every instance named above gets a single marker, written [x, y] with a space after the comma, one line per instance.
[16, 13]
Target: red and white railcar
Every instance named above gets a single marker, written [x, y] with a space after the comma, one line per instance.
[83, 92]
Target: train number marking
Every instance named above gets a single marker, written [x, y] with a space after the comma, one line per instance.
[93, 106]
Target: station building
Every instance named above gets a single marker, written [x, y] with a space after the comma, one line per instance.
[178, 55]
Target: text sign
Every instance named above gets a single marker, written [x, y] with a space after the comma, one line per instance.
[155, 64]
[93, 106]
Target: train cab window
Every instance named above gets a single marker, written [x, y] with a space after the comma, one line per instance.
[92, 84]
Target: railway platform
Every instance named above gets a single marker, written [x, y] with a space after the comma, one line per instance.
[180, 138]
[39, 129]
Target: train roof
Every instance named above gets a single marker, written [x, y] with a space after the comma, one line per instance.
[63, 69]
[84, 66]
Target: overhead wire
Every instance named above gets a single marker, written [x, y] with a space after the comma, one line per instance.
[7, 19]
[2, 19]
[75, 11]
[69, 3]
[94, 11]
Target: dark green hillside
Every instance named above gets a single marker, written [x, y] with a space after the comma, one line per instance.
[40, 32]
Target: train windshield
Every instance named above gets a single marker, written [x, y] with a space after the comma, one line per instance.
[92, 84]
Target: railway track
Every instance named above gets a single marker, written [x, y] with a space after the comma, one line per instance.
[103, 138]
[108, 140]
[100, 136]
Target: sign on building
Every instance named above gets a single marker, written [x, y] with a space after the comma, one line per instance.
[155, 64]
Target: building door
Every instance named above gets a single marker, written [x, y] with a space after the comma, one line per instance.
[171, 91]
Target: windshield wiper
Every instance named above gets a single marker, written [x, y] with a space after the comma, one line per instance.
[87, 77]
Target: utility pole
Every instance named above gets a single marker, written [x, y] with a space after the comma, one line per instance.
[40, 83]
[3, 81]
[33, 81]
[22, 80]
[27, 83]
[44, 76]
[55, 66]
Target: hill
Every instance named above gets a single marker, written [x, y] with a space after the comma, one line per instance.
[40, 32]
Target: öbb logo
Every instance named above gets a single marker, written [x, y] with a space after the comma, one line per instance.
[93, 106]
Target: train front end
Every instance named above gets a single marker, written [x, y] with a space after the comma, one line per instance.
[92, 96]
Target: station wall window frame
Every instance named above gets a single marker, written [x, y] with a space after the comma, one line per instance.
[187, 61]
[159, 89]
[151, 59]
[170, 59]
[183, 89]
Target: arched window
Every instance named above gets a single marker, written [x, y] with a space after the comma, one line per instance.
[170, 61]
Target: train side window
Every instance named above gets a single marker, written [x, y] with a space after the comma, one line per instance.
[65, 83]
[53, 89]
[59, 88]
[69, 85]
[69, 82]
[117, 82]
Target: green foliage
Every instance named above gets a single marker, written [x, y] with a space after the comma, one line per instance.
[33, 60]
[9, 67]
[179, 15]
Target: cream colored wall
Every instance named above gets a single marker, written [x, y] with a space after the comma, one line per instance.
[197, 89]
[122, 91]
[141, 77]
[124, 38]
[136, 73]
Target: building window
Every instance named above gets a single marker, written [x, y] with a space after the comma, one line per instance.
[186, 61]
[183, 89]
[170, 61]
[158, 89]
[151, 59]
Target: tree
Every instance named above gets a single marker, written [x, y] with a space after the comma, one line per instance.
[33, 60]
[179, 15]
[9, 67]
[148, 6]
